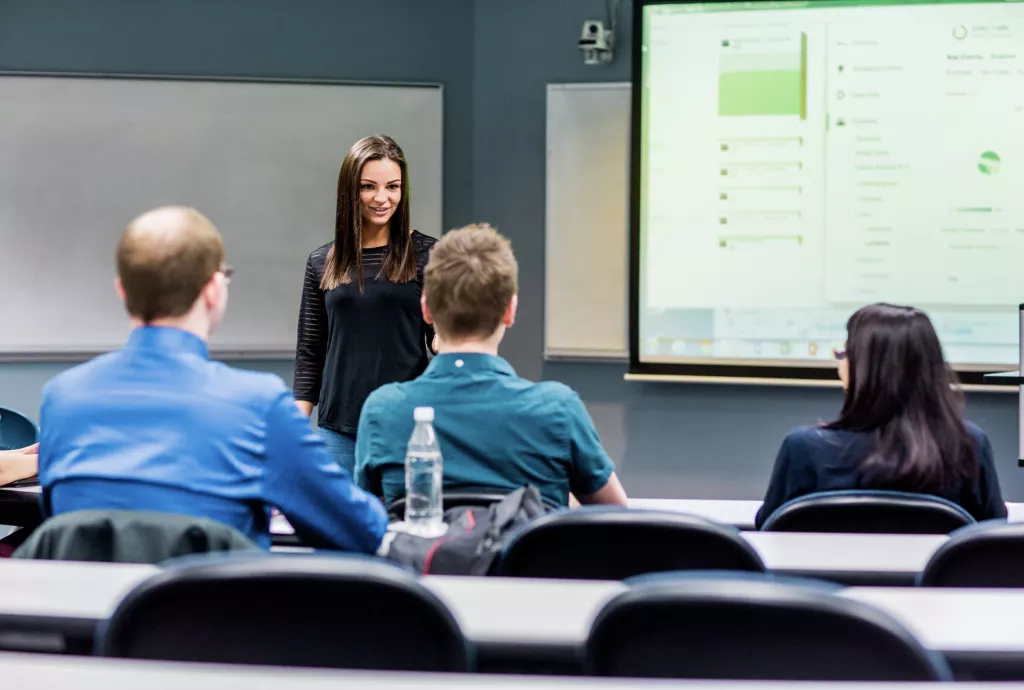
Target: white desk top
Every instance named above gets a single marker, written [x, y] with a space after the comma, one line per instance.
[868, 553]
[954, 620]
[737, 513]
[499, 610]
[795, 551]
[36, 672]
[496, 609]
[520, 611]
[88, 591]
[727, 512]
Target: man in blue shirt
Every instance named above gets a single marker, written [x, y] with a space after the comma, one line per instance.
[497, 431]
[159, 426]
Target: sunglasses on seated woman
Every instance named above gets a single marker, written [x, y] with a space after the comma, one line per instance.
[839, 353]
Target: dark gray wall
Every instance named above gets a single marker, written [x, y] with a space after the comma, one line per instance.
[495, 58]
[412, 40]
[422, 41]
[669, 439]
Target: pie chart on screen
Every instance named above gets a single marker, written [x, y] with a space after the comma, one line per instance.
[989, 163]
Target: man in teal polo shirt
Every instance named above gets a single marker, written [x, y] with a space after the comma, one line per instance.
[497, 431]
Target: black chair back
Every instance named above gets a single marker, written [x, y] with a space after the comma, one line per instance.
[16, 430]
[868, 512]
[985, 555]
[750, 629]
[337, 612]
[450, 499]
[613, 544]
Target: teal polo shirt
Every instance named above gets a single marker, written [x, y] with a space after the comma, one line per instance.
[497, 432]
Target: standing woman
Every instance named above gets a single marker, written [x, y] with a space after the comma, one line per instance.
[360, 323]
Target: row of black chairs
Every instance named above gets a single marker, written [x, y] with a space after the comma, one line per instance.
[618, 544]
[357, 613]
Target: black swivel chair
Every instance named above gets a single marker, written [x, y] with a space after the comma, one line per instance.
[16, 430]
[617, 543]
[874, 512]
[989, 554]
[752, 627]
[338, 612]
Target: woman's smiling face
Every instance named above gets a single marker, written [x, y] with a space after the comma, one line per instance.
[380, 191]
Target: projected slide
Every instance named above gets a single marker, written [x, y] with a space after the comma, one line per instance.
[799, 160]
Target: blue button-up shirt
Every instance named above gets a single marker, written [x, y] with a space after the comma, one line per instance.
[158, 426]
[497, 432]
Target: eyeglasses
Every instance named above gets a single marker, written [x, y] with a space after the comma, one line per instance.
[839, 353]
[227, 271]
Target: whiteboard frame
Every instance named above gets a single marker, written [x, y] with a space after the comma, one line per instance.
[71, 356]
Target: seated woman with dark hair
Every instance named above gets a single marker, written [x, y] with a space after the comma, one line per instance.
[901, 427]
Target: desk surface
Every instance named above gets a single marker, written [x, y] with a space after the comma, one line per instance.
[954, 620]
[845, 553]
[728, 512]
[512, 611]
[35, 672]
[47, 589]
[521, 611]
[510, 619]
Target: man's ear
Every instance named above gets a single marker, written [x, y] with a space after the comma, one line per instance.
[213, 292]
[119, 288]
[510, 312]
[427, 318]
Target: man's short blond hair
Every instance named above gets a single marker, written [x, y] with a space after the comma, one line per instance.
[164, 259]
[469, 282]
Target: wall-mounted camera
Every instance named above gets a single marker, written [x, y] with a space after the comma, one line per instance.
[597, 43]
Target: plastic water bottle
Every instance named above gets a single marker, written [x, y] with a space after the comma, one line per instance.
[423, 468]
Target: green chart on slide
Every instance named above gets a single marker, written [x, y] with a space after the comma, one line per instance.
[763, 84]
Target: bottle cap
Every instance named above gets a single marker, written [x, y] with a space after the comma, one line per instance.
[423, 414]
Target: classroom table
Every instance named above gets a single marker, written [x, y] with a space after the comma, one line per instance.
[850, 559]
[738, 513]
[855, 559]
[979, 631]
[517, 624]
[56, 606]
[32, 672]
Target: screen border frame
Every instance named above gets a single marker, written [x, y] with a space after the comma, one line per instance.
[971, 375]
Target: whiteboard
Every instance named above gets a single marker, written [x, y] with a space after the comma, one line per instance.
[587, 222]
[83, 155]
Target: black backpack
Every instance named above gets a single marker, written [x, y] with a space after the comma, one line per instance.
[475, 536]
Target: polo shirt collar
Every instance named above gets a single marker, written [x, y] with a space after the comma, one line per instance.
[468, 362]
[166, 339]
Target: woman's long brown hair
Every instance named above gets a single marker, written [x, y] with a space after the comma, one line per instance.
[345, 258]
[901, 390]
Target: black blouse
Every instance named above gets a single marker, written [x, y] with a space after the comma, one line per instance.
[351, 343]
